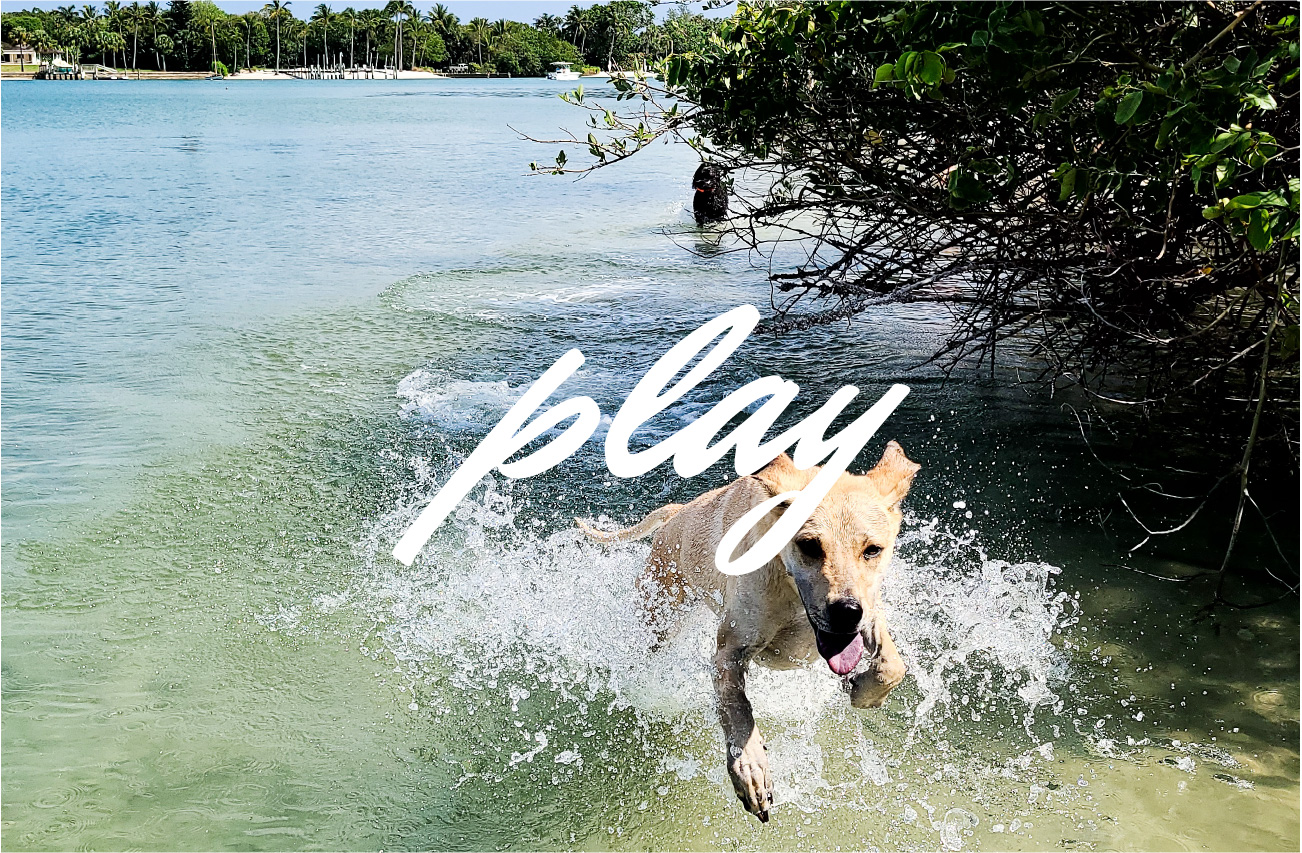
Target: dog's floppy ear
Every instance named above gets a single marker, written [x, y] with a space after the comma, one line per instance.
[782, 475]
[894, 474]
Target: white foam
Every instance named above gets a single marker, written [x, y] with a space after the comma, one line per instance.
[454, 404]
[497, 615]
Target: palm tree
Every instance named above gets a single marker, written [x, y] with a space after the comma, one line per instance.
[90, 24]
[548, 23]
[165, 46]
[108, 41]
[443, 22]
[371, 20]
[154, 14]
[415, 29]
[113, 15]
[350, 15]
[398, 11]
[248, 40]
[275, 10]
[442, 19]
[325, 15]
[134, 16]
[43, 43]
[408, 13]
[393, 11]
[579, 24]
[499, 30]
[479, 30]
[21, 38]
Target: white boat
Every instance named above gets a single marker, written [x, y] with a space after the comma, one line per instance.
[562, 71]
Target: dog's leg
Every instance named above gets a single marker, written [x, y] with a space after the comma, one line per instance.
[885, 671]
[748, 762]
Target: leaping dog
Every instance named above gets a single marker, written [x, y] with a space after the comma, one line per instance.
[821, 594]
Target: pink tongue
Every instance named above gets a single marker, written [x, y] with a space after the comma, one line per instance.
[844, 661]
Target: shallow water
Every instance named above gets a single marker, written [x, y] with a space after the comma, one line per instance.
[249, 327]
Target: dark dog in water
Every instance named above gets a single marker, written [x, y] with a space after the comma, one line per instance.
[710, 201]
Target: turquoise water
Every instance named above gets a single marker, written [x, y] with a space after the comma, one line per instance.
[247, 328]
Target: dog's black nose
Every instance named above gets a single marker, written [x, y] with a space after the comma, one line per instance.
[844, 615]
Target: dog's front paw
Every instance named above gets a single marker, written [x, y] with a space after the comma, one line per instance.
[869, 689]
[749, 768]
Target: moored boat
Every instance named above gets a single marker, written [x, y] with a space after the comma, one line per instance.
[562, 71]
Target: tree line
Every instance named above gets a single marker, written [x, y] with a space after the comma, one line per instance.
[196, 35]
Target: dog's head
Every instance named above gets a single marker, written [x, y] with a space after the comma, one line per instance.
[838, 557]
[708, 177]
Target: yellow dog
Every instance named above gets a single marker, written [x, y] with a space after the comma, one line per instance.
[820, 594]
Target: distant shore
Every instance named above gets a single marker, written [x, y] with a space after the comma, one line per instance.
[242, 75]
[264, 74]
[133, 75]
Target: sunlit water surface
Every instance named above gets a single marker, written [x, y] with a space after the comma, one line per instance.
[249, 328]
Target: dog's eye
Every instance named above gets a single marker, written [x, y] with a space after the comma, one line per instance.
[811, 548]
[871, 551]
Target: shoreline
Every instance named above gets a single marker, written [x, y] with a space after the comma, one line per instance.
[246, 75]
[283, 75]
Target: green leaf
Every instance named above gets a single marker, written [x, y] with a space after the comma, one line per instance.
[1064, 98]
[1260, 98]
[905, 64]
[1259, 231]
[1224, 172]
[1222, 141]
[933, 68]
[1265, 198]
[1212, 212]
[1068, 184]
[965, 189]
[1129, 104]
[1164, 132]
[885, 74]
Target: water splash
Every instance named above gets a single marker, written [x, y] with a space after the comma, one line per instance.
[539, 630]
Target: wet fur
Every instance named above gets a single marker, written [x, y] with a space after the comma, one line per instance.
[710, 195]
[767, 615]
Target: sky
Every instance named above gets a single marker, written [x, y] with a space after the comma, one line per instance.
[511, 10]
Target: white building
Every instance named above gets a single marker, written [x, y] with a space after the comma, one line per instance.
[18, 55]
